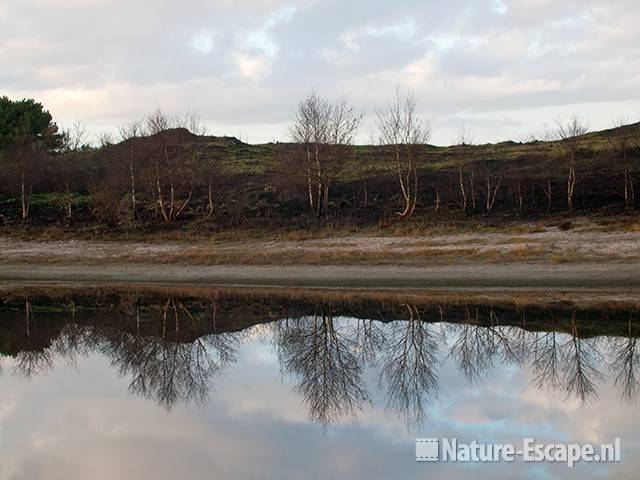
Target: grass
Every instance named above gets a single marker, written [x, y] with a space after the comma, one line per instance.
[238, 158]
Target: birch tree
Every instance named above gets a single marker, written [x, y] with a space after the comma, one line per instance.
[127, 134]
[401, 130]
[323, 129]
[170, 171]
[570, 134]
[462, 147]
[623, 145]
[73, 141]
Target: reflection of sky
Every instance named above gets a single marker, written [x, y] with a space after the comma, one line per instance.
[80, 422]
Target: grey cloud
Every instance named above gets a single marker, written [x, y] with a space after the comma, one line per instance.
[102, 61]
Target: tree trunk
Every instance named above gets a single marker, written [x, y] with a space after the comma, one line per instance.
[473, 191]
[547, 193]
[68, 199]
[24, 200]
[180, 208]
[366, 196]
[405, 185]
[132, 178]
[571, 182]
[519, 196]
[209, 198]
[626, 187]
[309, 187]
[319, 183]
[491, 193]
[325, 201]
[160, 199]
[463, 192]
[172, 199]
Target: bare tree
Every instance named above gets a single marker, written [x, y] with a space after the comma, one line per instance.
[156, 122]
[171, 169]
[492, 183]
[402, 130]
[323, 129]
[623, 145]
[570, 133]
[74, 141]
[545, 162]
[127, 134]
[306, 131]
[462, 146]
[25, 159]
[209, 170]
[105, 139]
[192, 121]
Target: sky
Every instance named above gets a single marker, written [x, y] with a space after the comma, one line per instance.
[502, 69]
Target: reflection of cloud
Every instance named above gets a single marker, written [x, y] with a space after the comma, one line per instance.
[8, 404]
[82, 424]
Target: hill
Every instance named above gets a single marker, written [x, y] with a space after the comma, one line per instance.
[175, 178]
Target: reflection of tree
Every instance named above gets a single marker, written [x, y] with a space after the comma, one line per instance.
[369, 339]
[324, 359]
[170, 371]
[581, 371]
[475, 346]
[546, 363]
[166, 364]
[625, 362]
[569, 364]
[579, 357]
[521, 341]
[32, 360]
[164, 346]
[409, 366]
[33, 363]
[76, 341]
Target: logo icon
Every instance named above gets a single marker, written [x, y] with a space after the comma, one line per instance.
[426, 449]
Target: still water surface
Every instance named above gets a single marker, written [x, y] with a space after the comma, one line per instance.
[120, 385]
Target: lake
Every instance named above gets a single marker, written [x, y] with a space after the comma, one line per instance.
[181, 383]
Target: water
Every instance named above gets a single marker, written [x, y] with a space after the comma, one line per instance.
[135, 384]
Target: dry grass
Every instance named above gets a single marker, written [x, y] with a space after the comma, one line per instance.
[336, 254]
[516, 299]
[418, 228]
[580, 244]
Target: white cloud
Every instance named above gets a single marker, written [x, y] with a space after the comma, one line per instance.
[98, 61]
[203, 41]
[252, 66]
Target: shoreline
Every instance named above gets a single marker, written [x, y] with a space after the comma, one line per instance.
[583, 276]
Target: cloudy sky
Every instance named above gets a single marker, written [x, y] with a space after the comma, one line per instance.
[501, 68]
